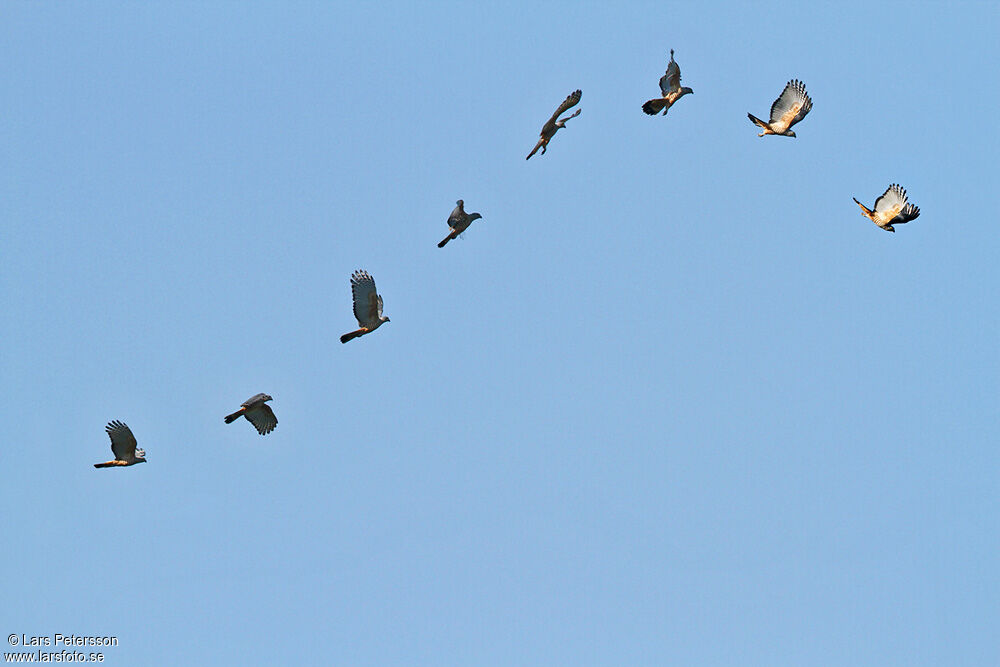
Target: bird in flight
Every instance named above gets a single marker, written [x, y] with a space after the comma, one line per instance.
[791, 106]
[367, 305]
[458, 222]
[670, 86]
[257, 412]
[554, 124]
[123, 445]
[890, 209]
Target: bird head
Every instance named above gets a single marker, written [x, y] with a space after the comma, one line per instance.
[791, 133]
[267, 397]
[385, 319]
[890, 228]
[474, 216]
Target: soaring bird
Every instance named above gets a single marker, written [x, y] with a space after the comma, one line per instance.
[367, 305]
[123, 445]
[257, 412]
[670, 86]
[890, 209]
[458, 222]
[554, 124]
[791, 106]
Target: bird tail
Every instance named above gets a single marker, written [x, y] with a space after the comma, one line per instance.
[449, 237]
[757, 121]
[535, 149]
[236, 415]
[865, 210]
[108, 464]
[350, 336]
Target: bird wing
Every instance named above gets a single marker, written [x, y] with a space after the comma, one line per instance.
[457, 215]
[791, 106]
[365, 298]
[908, 213]
[262, 418]
[256, 398]
[889, 205]
[571, 101]
[671, 81]
[123, 443]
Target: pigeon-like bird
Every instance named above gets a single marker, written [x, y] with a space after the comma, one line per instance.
[458, 222]
[123, 445]
[257, 412]
[554, 124]
[367, 305]
[670, 86]
[791, 106]
[890, 209]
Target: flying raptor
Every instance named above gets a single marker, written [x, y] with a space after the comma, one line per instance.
[554, 124]
[123, 445]
[367, 305]
[458, 222]
[791, 106]
[670, 86]
[890, 209]
[257, 412]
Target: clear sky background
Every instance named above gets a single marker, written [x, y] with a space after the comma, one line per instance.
[673, 401]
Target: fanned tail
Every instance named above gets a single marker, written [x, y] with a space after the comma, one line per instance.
[236, 415]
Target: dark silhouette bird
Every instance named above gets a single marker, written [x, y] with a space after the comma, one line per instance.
[554, 124]
[890, 209]
[791, 106]
[123, 445]
[670, 87]
[458, 222]
[367, 305]
[257, 412]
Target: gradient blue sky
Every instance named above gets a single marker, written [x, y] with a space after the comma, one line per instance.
[673, 401]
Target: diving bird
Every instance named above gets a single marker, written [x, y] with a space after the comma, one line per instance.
[367, 305]
[458, 222]
[670, 86]
[890, 209]
[791, 106]
[554, 124]
[123, 445]
[257, 412]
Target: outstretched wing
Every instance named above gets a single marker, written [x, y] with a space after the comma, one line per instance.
[891, 203]
[671, 81]
[365, 298]
[262, 418]
[123, 443]
[571, 101]
[791, 106]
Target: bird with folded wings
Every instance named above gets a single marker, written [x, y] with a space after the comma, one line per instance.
[554, 124]
[367, 305]
[791, 106]
[890, 209]
[670, 87]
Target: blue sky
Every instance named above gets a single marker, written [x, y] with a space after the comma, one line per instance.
[672, 401]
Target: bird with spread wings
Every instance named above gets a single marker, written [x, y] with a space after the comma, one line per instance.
[257, 412]
[791, 106]
[123, 445]
[670, 87]
[458, 222]
[890, 209]
[367, 305]
[554, 124]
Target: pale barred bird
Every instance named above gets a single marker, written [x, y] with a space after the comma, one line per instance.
[554, 124]
[890, 209]
[257, 412]
[791, 106]
[670, 86]
[123, 445]
[367, 305]
[458, 222]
